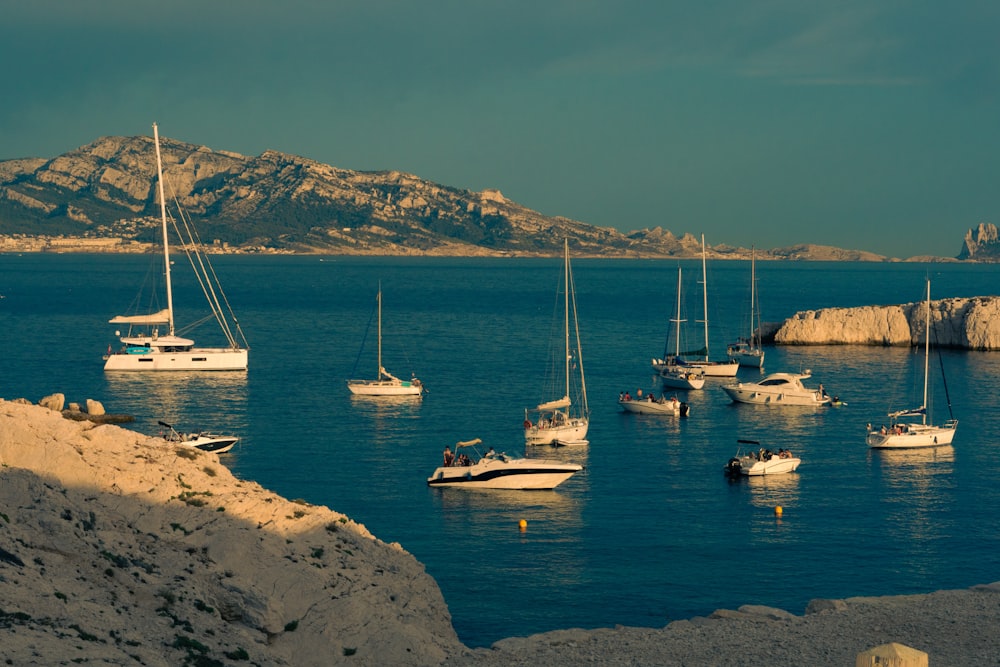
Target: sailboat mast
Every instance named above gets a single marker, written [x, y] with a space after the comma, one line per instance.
[163, 217]
[753, 298]
[566, 305]
[927, 348]
[379, 373]
[704, 294]
[678, 320]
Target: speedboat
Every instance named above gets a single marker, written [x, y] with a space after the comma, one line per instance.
[778, 389]
[760, 462]
[654, 406]
[206, 442]
[498, 471]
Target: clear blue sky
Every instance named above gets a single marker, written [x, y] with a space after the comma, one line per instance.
[858, 124]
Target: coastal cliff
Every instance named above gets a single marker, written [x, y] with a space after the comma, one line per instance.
[965, 323]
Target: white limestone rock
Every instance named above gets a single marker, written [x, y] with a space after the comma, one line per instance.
[967, 323]
[120, 548]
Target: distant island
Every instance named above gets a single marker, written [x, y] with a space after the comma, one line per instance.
[102, 198]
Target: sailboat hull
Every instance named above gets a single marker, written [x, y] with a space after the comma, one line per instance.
[203, 359]
[386, 388]
[575, 431]
[913, 436]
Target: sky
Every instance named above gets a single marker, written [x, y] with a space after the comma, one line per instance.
[857, 124]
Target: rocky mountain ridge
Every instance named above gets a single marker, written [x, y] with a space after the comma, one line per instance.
[102, 198]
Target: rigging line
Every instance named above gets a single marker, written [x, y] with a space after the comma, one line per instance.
[192, 242]
[368, 328]
[944, 378]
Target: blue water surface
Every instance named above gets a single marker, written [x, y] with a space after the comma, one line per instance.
[651, 531]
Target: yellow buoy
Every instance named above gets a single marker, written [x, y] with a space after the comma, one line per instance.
[778, 510]
[522, 524]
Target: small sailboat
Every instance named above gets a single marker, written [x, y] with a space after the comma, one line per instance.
[145, 348]
[671, 373]
[562, 421]
[385, 383]
[911, 434]
[748, 351]
[709, 368]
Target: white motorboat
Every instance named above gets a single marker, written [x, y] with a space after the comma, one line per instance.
[385, 384]
[565, 420]
[498, 471]
[778, 389]
[761, 461]
[748, 351]
[649, 405]
[206, 442]
[145, 348]
[908, 434]
[673, 375]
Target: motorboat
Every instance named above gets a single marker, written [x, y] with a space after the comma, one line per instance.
[145, 347]
[650, 405]
[778, 389]
[385, 384]
[760, 461]
[467, 468]
[564, 420]
[902, 433]
[206, 442]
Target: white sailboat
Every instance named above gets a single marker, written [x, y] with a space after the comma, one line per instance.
[726, 368]
[671, 373]
[912, 434]
[748, 351]
[561, 421]
[145, 348]
[385, 383]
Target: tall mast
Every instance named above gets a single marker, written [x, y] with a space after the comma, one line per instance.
[379, 376]
[704, 294]
[927, 348]
[678, 320]
[753, 297]
[566, 305]
[166, 247]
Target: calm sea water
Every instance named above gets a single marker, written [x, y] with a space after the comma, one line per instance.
[651, 531]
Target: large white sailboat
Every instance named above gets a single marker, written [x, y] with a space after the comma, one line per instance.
[562, 421]
[144, 347]
[748, 351]
[385, 383]
[911, 434]
[671, 373]
[710, 368]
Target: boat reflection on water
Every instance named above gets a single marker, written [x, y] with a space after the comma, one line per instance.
[214, 401]
[770, 491]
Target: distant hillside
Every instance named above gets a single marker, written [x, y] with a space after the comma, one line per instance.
[104, 193]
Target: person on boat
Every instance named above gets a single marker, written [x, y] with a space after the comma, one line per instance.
[638, 393]
[449, 458]
[490, 453]
[628, 396]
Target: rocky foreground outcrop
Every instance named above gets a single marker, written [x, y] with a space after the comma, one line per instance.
[966, 323]
[118, 548]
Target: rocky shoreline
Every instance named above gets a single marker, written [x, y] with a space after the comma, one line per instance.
[117, 548]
